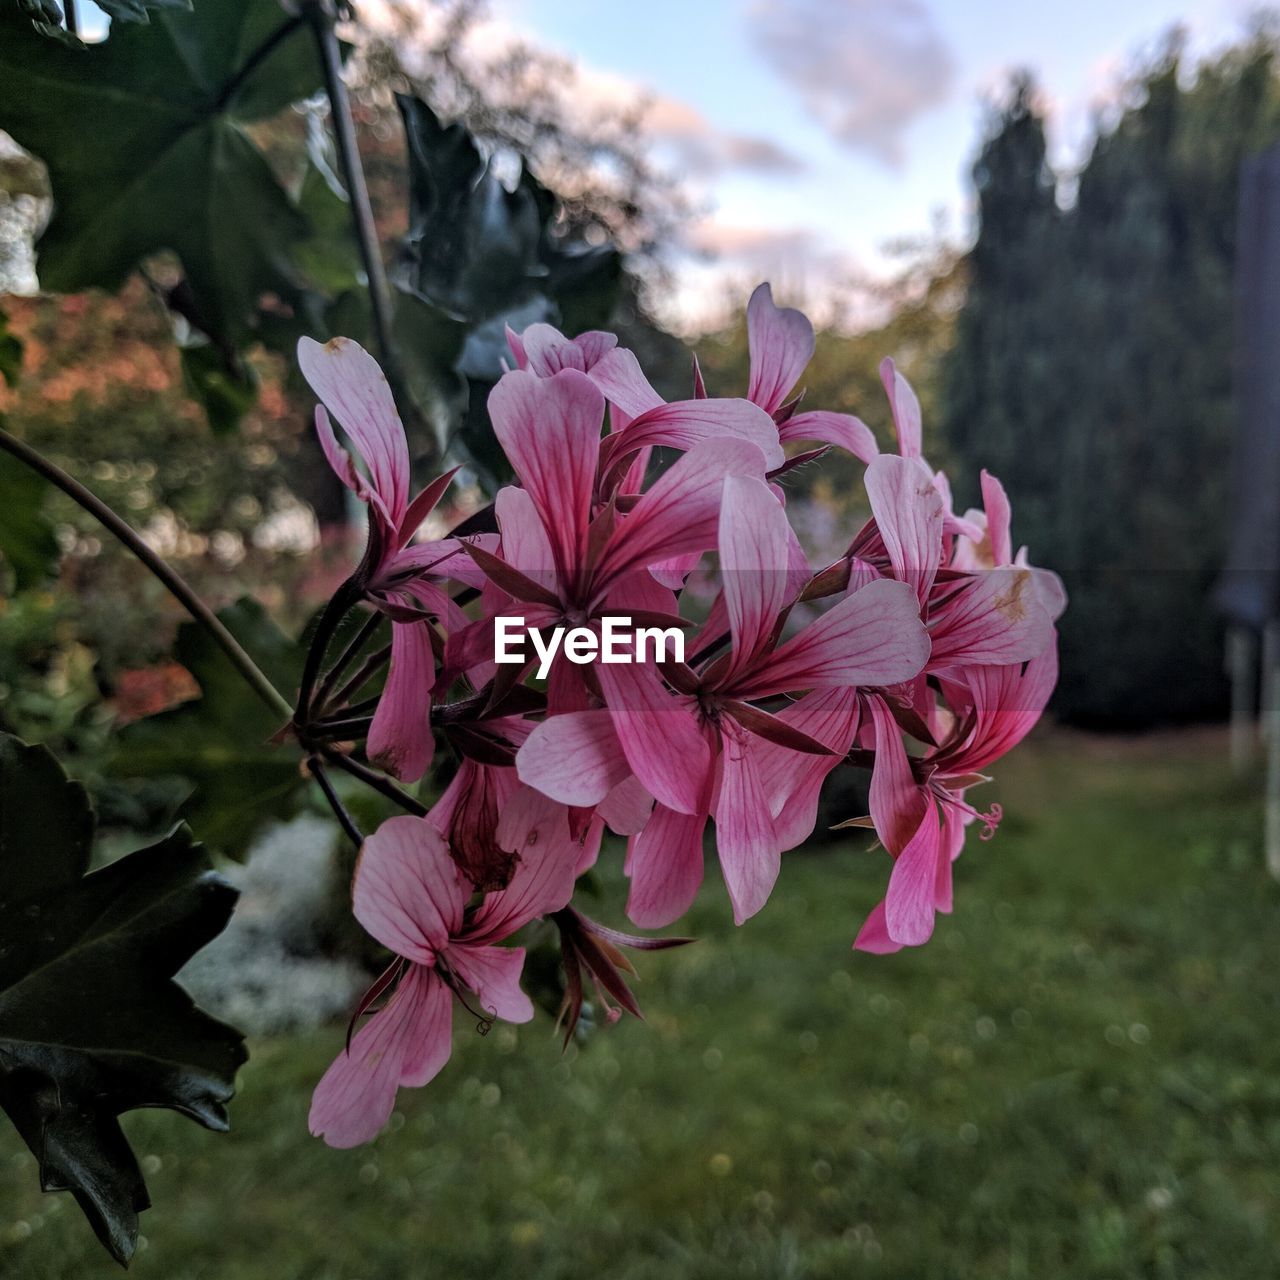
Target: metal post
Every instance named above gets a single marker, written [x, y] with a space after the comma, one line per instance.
[1273, 781]
[1270, 677]
[1242, 671]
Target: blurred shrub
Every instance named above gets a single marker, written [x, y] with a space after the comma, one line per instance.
[1092, 370]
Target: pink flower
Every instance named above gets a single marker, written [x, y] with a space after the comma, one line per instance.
[409, 894]
[566, 556]
[919, 806]
[404, 580]
[930, 627]
[872, 637]
[781, 344]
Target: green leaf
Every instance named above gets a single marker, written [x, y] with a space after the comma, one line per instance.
[220, 743]
[91, 1023]
[167, 163]
[27, 542]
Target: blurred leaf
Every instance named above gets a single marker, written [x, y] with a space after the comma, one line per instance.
[430, 342]
[472, 245]
[46, 18]
[484, 257]
[224, 385]
[27, 541]
[136, 10]
[10, 353]
[329, 255]
[166, 163]
[91, 1024]
[220, 742]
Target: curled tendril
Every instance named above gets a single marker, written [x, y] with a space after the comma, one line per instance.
[990, 820]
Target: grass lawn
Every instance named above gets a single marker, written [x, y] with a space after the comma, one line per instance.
[1079, 1077]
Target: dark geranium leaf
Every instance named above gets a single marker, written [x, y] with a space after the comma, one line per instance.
[91, 1023]
[480, 255]
[167, 163]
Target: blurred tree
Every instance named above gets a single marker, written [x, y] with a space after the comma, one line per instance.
[1092, 370]
[918, 305]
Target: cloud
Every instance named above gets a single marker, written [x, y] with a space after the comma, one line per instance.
[698, 147]
[748, 245]
[704, 150]
[865, 68]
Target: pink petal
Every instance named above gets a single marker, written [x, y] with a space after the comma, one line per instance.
[407, 1042]
[345, 468]
[909, 903]
[952, 841]
[665, 864]
[781, 343]
[897, 801]
[407, 891]
[575, 758]
[626, 808]
[908, 511]
[874, 936]
[525, 545]
[400, 737]
[444, 560]
[840, 429]
[905, 408]
[549, 429]
[1008, 702]
[685, 423]
[547, 350]
[517, 349]
[999, 518]
[994, 618]
[659, 733]
[424, 504]
[622, 382]
[538, 830]
[792, 780]
[748, 846]
[493, 973]
[1050, 590]
[347, 378]
[681, 511]
[754, 544]
[430, 1039]
[872, 636]
[672, 573]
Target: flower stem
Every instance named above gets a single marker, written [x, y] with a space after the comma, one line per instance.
[340, 810]
[375, 780]
[172, 580]
[367, 628]
[321, 17]
[370, 668]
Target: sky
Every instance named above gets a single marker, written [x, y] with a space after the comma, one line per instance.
[816, 133]
[812, 136]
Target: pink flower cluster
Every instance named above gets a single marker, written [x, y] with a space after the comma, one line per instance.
[927, 630]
